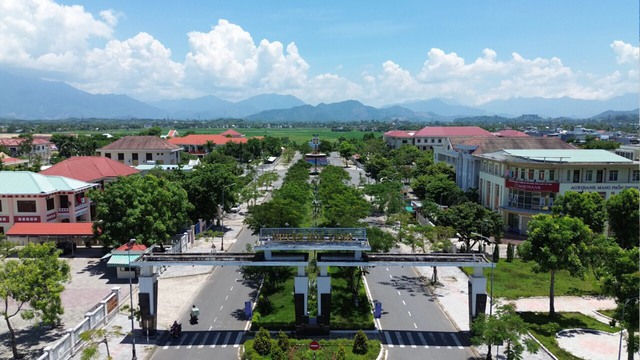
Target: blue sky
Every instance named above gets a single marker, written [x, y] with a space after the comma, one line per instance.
[377, 52]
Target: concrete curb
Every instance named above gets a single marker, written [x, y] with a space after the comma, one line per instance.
[549, 353]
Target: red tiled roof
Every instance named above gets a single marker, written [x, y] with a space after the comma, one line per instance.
[140, 143]
[231, 132]
[135, 247]
[510, 133]
[446, 131]
[398, 133]
[18, 141]
[89, 168]
[51, 229]
[201, 139]
[8, 160]
[489, 144]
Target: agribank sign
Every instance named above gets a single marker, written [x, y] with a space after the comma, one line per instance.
[599, 187]
[533, 186]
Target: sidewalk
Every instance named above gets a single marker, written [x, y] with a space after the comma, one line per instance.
[452, 297]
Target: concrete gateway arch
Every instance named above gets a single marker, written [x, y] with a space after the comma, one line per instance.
[291, 247]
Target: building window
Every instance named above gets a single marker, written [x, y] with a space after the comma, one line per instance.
[588, 175]
[134, 156]
[107, 155]
[26, 206]
[64, 201]
[521, 174]
[552, 175]
[433, 140]
[149, 156]
[419, 141]
[0, 206]
[599, 175]
[540, 174]
[635, 176]
[576, 176]
[530, 174]
[613, 175]
[439, 141]
[51, 204]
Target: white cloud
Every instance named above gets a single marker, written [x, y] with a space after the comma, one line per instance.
[72, 45]
[626, 53]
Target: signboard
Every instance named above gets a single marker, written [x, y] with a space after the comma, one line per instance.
[533, 186]
[248, 311]
[4, 219]
[28, 219]
[314, 345]
[601, 187]
[313, 234]
[112, 304]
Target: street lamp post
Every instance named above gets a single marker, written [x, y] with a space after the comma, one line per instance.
[133, 336]
[621, 322]
[222, 217]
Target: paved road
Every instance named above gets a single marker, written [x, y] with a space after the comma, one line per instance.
[412, 324]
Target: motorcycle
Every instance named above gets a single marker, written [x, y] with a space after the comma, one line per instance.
[194, 315]
[175, 331]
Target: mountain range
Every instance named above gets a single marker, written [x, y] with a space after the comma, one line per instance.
[30, 98]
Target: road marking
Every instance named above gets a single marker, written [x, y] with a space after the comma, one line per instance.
[400, 340]
[455, 338]
[390, 276]
[226, 339]
[237, 342]
[193, 340]
[413, 345]
[215, 319]
[445, 341]
[399, 293]
[215, 339]
[226, 297]
[404, 303]
[221, 308]
[231, 289]
[181, 341]
[386, 335]
[206, 336]
[423, 341]
[409, 313]
[387, 269]
[415, 326]
[434, 340]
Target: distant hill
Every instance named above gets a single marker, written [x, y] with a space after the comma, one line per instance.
[211, 107]
[447, 108]
[612, 114]
[30, 99]
[560, 107]
[350, 110]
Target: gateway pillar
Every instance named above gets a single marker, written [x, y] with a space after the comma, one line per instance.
[477, 294]
[148, 299]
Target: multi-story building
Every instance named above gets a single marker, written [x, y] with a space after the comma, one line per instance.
[520, 183]
[41, 148]
[630, 151]
[459, 152]
[92, 169]
[27, 197]
[202, 144]
[136, 150]
[431, 137]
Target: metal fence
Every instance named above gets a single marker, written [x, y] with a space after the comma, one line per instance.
[70, 343]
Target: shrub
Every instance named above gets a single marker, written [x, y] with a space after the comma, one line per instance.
[510, 252]
[341, 354]
[278, 354]
[360, 343]
[283, 341]
[262, 342]
[496, 253]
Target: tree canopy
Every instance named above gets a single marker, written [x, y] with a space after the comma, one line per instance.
[556, 243]
[31, 286]
[207, 187]
[470, 220]
[586, 206]
[146, 208]
[623, 217]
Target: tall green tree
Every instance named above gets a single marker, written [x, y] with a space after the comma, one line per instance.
[556, 243]
[622, 280]
[31, 286]
[504, 326]
[586, 206]
[623, 217]
[277, 213]
[208, 187]
[346, 150]
[473, 222]
[146, 208]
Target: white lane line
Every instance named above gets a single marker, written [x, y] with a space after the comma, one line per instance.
[226, 297]
[445, 341]
[415, 326]
[387, 269]
[404, 303]
[409, 313]
[221, 308]
[193, 340]
[386, 335]
[413, 344]
[399, 293]
[390, 276]
[215, 339]
[231, 289]
[434, 340]
[400, 340]
[206, 336]
[423, 340]
[181, 341]
[226, 339]
[215, 319]
[237, 342]
[455, 338]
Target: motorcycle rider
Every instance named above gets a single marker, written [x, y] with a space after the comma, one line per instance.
[175, 329]
[194, 314]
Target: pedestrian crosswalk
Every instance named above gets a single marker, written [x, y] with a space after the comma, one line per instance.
[425, 339]
[202, 339]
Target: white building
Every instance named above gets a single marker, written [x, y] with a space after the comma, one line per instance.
[523, 183]
[136, 150]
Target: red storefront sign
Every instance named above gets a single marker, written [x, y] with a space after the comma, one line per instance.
[533, 186]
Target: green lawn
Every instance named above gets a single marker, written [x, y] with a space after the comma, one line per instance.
[517, 279]
[328, 350]
[344, 315]
[545, 333]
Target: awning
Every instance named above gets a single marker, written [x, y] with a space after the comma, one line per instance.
[122, 259]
